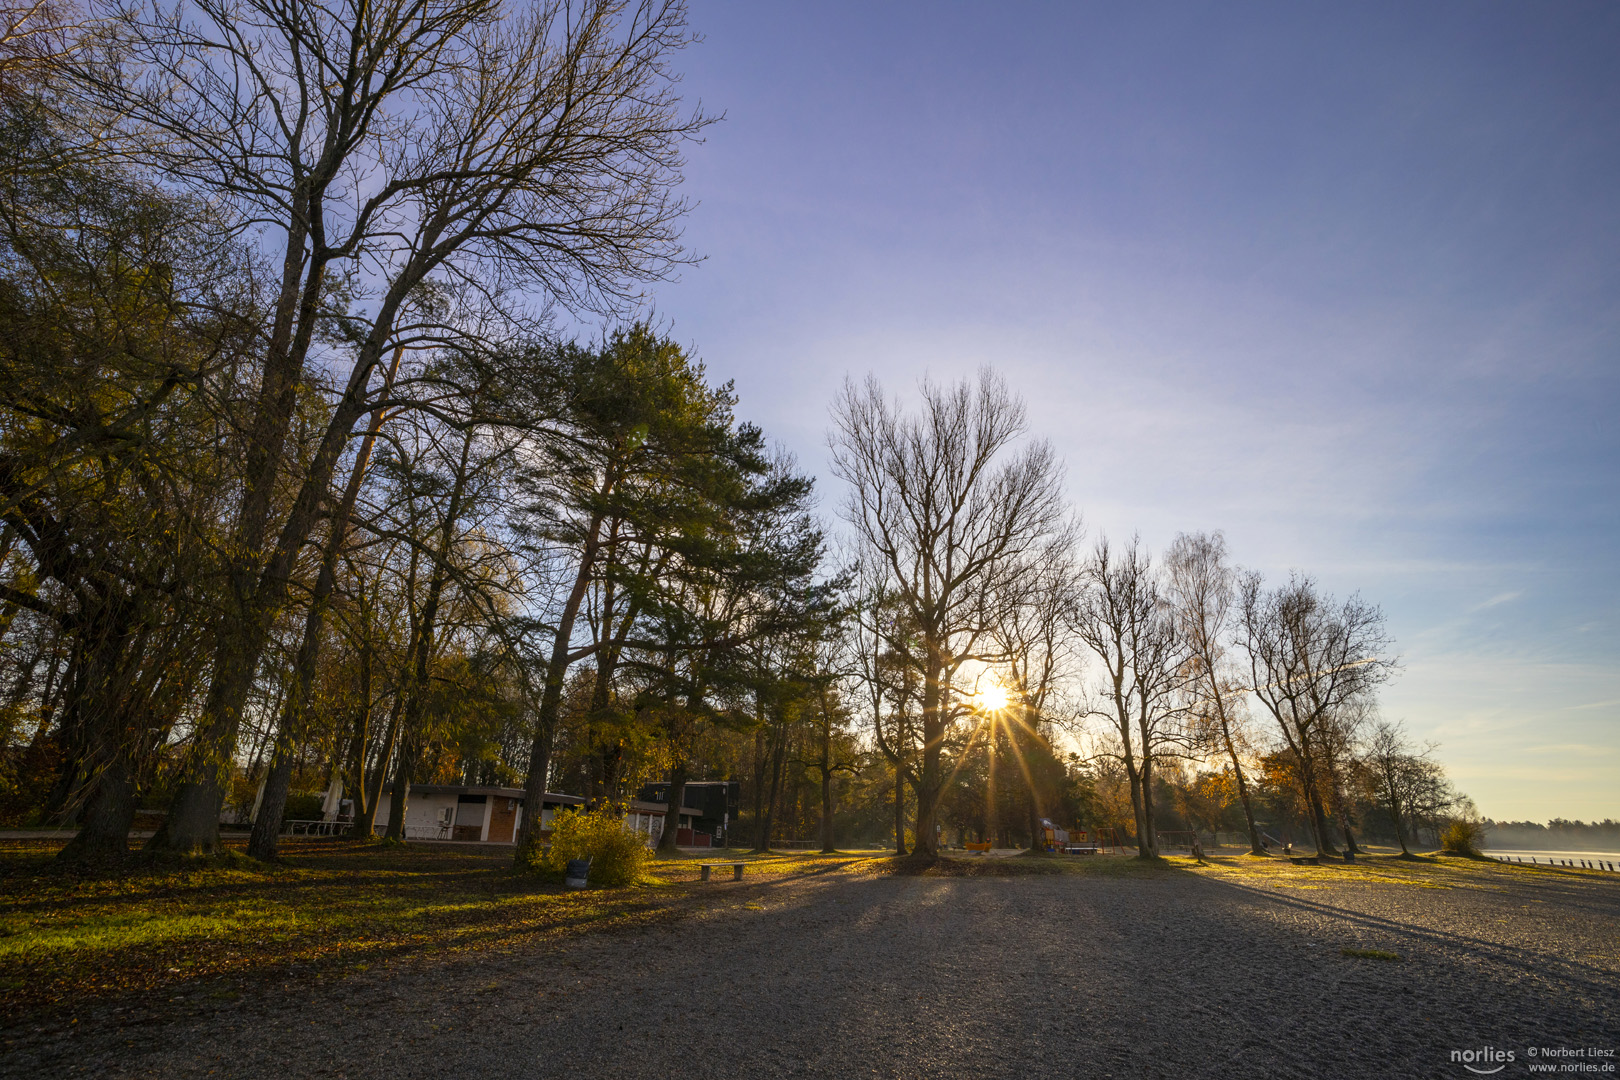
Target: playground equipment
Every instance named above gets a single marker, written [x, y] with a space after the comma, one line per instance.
[1052, 837]
[1103, 839]
[1109, 839]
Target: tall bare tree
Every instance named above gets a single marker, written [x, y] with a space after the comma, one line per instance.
[882, 650]
[1038, 659]
[1203, 589]
[950, 510]
[1126, 621]
[1310, 656]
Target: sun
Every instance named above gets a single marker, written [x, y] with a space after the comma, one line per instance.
[991, 698]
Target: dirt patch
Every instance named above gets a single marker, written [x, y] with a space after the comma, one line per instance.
[950, 866]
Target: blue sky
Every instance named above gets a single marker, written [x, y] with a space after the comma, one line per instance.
[1342, 281]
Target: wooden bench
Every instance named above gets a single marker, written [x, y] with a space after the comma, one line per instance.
[974, 846]
[1081, 849]
[736, 868]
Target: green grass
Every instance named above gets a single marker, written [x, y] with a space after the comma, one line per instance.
[211, 926]
[72, 935]
[1369, 954]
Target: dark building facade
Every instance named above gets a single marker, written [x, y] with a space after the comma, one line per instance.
[714, 802]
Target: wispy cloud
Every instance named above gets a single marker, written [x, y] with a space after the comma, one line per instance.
[1499, 598]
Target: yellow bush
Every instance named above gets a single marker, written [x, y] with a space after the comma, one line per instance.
[618, 855]
[1462, 837]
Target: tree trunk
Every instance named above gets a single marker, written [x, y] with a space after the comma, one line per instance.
[827, 846]
[264, 841]
[1340, 810]
[778, 757]
[900, 780]
[99, 712]
[1037, 837]
[109, 814]
[899, 809]
[272, 804]
[1255, 847]
[193, 821]
[928, 785]
[1149, 847]
[761, 760]
[1317, 815]
[534, 785]
[992, 816]
[365, 820]
[402, 790]
[1395, 812]
[192, 824]
[668, 839]
[1237, 771]
[1306, 768]
[1135, 777]
[356, 756]
[611, 757]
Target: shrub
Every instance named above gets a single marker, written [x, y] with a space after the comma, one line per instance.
[1462, 836]
[618, 855]
[302, 806]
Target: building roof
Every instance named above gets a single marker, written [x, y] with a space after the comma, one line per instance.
[552, 798]
[499, 792]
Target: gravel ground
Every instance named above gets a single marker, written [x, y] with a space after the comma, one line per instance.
[842, 974]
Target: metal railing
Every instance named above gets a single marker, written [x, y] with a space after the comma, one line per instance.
[302, 827]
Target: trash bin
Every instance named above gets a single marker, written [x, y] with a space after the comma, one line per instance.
[578, 873]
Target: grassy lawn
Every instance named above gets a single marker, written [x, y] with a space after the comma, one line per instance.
[1431, 871]
[74, 936]
[208, 927]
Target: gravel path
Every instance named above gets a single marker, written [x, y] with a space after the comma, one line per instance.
[844, 975]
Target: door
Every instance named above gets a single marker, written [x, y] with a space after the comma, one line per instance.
[502, 818]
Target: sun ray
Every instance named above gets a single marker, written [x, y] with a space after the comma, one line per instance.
[1023, 766]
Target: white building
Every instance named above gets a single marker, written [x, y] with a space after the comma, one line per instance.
[493, 815]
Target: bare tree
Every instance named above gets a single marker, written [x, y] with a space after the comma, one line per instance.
[831, 663]
[1339, 744]
[1309, 657]
[1038, 658]
[1406, 779]
[33, 34]
[381, 147]
[1125, 620]
[1203, 589]
[881, 648]
[948, 511]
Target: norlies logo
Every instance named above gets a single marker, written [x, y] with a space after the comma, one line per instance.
[1485, 1055]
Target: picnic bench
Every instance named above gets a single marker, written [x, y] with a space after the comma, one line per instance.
[977, 846]
[1081, 849]
[736, 869]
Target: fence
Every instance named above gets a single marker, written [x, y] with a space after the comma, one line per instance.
[1572, 864]
[1177, 839]
[301, 827]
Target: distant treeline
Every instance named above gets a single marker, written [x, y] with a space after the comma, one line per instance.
[1558, 834]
